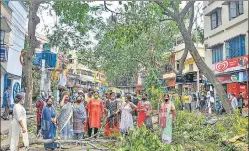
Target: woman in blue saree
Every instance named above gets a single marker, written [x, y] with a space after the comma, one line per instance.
[48, 124]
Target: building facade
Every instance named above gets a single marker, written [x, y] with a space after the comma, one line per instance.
[226, 43]
[86, 76]
[15, 13]
[190, 68]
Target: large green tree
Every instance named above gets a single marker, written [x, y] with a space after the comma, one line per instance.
[172, 11]
[132, 38]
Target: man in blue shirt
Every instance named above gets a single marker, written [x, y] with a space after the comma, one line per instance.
[6, 103]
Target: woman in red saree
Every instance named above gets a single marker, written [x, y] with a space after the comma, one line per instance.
[95, 109]
[112, 121]
[39, 106]
[144, 109]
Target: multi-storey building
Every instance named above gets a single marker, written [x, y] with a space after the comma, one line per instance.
[14, 17]
[226, 43]
[86, 76]
[189, 68]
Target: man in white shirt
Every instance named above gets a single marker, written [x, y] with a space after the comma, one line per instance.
[234, 102]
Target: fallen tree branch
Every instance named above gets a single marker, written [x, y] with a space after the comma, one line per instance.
[55, 140]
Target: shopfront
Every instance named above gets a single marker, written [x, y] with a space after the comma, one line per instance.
[233, 75]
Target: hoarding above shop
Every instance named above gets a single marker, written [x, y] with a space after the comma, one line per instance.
[229, 78]
[238, 63]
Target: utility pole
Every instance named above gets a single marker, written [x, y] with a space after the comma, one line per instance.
[198, 71]
[42, 76]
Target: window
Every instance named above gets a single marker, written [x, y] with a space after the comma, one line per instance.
[217, 54]
[191, 67]
[71, 61]
[235, 47]
[2, 37]
[235, 9]
[216, 19]
[177, 65]
[90, 73]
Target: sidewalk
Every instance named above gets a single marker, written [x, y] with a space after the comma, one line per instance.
[5, 126]
[6, 123]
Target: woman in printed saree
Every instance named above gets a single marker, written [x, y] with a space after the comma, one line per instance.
[166, 116]
[95, 109]
[144, 109]
[84, 102]
[18, 125]
[79, 117]
[112, 121]
[48, 124]
[65, 118]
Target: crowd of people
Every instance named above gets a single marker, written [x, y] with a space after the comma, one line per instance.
[84, 114]
[208, 103]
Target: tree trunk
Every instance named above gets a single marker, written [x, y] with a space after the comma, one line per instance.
[33, 43]
[202, 65]
[181, 65]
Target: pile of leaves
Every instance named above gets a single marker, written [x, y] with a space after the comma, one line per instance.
[143, 140]
[190, 133]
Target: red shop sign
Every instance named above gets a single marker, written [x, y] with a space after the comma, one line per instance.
[231, 64]
[225, 78]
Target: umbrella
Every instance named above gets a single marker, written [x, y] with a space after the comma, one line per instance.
[113, 89]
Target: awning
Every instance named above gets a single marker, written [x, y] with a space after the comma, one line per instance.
[226, 2]
[87, 78]
[215, 45]
[212, 11]
[10, 75]
[4, 25]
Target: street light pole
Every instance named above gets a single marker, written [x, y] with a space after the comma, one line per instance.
[198, 71]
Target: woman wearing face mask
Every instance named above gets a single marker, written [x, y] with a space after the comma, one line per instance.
[65, 117]
[166, 116]
[95, 109]
[18, 125]
[79, 117]
[48, 123]
[84, 102]
[112, 121]
[144, 109]
[126, 115]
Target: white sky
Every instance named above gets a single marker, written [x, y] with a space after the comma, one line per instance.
[47, 20]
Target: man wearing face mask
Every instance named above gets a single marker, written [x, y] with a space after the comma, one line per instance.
[95, 109]
[167, 114]
[89, 95]
[111, 106]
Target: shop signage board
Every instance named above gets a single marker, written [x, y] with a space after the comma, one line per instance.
[238, 63]
[228, 78]
[3, 54]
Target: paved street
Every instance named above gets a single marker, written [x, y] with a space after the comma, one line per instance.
[4, 124]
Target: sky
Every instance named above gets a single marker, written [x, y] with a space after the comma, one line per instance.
[48, 20]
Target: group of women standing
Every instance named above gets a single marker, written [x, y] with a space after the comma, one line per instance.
[78, 116]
